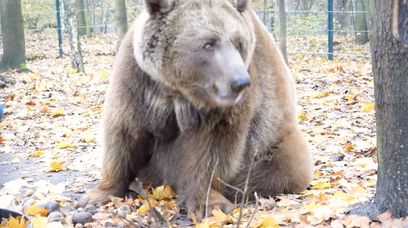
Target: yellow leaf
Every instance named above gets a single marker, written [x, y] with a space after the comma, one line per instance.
[39, 222]
[349, 147]
[143, 209]
[302, 117]
[221, 216]
[64, 145]
[87, 140]
[72, 70]
[56, 166]
[268, 223]
[345, 197]
[33, 210]
[311, 206]
[37, 153]
[204, 224]
[12, 222]
[165, 192]
[321, 94]
[321, 184]
[44, 108]
[58, 112]
[102, 75]
[350, 97]
[368, 107]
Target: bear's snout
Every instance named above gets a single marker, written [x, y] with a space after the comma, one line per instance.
[240, 83]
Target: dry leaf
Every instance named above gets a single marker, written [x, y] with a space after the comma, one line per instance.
[44, 108]
[33, 210]
[39, 222]
[55, 166]
[268, 223]
[321, 184]
[165, 192]
[37, 153]
[349, 147]
[302, 117]
[221, 216]
[64, 145]
[12, 222]
[321, 94]
[58, 112]
[368, 107]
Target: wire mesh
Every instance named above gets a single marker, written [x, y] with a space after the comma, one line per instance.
[306, 23]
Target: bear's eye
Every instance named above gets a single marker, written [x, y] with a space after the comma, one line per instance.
[210, 46]
[240, 47]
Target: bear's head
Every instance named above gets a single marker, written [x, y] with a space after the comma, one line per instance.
[201, 49]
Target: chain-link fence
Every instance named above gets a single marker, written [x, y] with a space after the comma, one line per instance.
[308, 24]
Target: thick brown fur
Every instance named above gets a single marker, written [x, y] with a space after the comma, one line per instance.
[165, 123]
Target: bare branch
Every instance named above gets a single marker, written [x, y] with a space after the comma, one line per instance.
[209, 188]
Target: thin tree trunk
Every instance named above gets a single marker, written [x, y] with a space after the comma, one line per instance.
[360, 22]
[120, 20]
[12, 26]
[105, 16]
[282, 32]
[70, 7]
[390, 57]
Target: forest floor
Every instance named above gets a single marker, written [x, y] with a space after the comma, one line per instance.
[50, 152]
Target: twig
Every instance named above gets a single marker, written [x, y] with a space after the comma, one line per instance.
[243, 199]
[256, 210]
[138, 187]
[209, 189]
[230, 186]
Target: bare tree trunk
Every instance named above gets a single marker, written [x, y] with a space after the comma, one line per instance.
[70, 7]
[282, 32]
[389, 49]
[12, 26]
[121, 20]
[105, 16]
[360, 22]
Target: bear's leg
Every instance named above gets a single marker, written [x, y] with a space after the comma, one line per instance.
[124, 156]
[288, 170]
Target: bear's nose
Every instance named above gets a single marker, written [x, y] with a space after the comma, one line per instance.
[239, 84]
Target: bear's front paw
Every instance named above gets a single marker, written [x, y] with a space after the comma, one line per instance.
[215, 201]
[95, 197]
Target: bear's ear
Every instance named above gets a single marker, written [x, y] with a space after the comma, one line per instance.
[158, 6]
[241, 5]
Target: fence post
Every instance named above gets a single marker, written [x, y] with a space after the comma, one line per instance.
[330, 28]
[59, 28]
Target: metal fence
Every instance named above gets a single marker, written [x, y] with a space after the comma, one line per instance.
[314, 27]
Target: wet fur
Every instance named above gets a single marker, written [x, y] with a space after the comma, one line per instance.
[154, 132]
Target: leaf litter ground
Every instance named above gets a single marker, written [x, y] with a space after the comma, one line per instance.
[49, 146]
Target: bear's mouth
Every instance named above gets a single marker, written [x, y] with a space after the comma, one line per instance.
[226, 99]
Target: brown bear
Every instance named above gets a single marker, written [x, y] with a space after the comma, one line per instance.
[200, 87]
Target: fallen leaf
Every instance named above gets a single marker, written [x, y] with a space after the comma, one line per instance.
[349, 147]
[221, 216]
[55, 166]
[33, 210]
[321, 184]
[44, 108]
[58, 112]
[15, 222]
[321, 94]
[64, 145]
[368, 107]
[268, 223]
[37, 153]
[39, 222]
[302, 117]
[165, 192]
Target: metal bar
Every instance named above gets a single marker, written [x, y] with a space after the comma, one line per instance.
[330, 28]
[58, 7]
